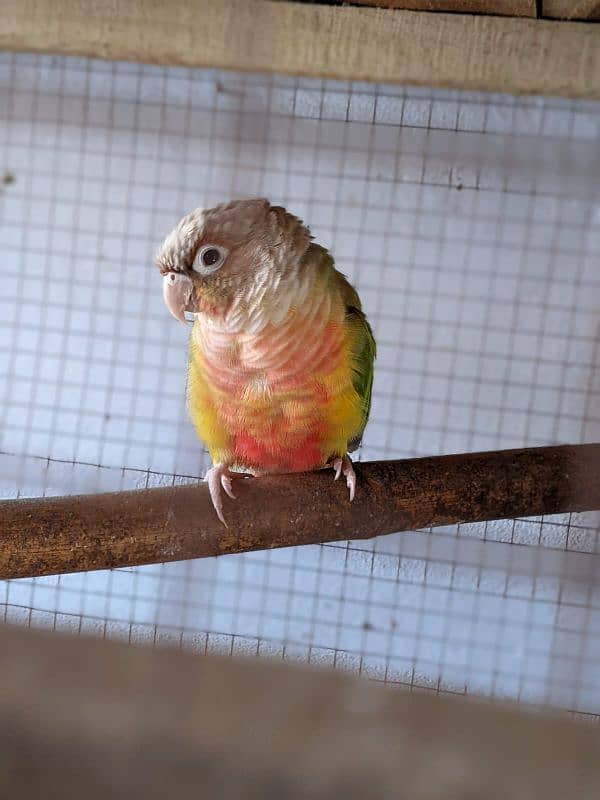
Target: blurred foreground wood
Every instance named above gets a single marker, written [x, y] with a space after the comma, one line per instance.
[97, 719]
[45, 536]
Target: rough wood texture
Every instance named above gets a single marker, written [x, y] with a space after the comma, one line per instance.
[509, 8]
[97, 719]
[462, 51]
[571, 9]
[46, 536]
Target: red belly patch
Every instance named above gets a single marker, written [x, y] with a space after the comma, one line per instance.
[274, 452]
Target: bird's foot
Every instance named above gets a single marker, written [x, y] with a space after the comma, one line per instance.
[344, 466]
[221, 477]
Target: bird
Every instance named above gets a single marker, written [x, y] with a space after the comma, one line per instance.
[281, 354]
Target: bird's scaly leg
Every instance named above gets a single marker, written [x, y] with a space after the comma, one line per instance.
[344, 465]
[218, 477]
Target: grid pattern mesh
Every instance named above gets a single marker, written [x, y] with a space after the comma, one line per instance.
[470, 225]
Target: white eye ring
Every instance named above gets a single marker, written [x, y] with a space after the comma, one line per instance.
[209, 258]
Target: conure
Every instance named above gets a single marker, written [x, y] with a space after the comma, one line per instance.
[281, 353]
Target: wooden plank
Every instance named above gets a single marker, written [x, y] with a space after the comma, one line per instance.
[45, 536]
[571, 9]
[497, 54]
[509, 8]
[84, 718]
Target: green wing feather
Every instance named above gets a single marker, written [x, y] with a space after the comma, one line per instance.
[358, 331]
[362, 343]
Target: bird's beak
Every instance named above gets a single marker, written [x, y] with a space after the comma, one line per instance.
[177, 293]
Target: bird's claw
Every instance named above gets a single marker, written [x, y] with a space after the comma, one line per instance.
[344, 465]
[226, 484]
[219, 477]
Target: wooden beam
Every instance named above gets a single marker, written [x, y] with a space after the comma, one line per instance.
[571, 9]
[460, 51]
[509, 8]
[96, 719]
[45, 536]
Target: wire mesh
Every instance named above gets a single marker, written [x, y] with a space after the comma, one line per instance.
[470, 225]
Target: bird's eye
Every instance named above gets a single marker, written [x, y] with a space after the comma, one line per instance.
[209, 258]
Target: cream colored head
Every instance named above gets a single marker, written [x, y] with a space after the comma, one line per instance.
[234, 254]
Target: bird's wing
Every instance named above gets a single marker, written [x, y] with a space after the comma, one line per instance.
[363, 349]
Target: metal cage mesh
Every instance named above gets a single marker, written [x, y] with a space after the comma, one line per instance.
[469, 223]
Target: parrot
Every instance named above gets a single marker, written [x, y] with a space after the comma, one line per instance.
[281, 354]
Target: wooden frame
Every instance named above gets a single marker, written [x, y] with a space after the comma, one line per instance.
[508, 8]
[460, 51]
[571, 9]
[549, 9]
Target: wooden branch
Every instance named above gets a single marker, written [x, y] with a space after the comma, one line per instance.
[45, 536]
[459, 51]
[96, 719]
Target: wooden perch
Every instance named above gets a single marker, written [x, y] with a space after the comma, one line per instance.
[96, 719]
[45, 536]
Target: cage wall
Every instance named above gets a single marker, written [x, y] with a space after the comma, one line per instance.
[470, 225]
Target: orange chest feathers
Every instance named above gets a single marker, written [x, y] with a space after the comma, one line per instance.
[277, 400]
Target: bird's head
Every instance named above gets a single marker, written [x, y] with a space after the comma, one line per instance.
[235, 254]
